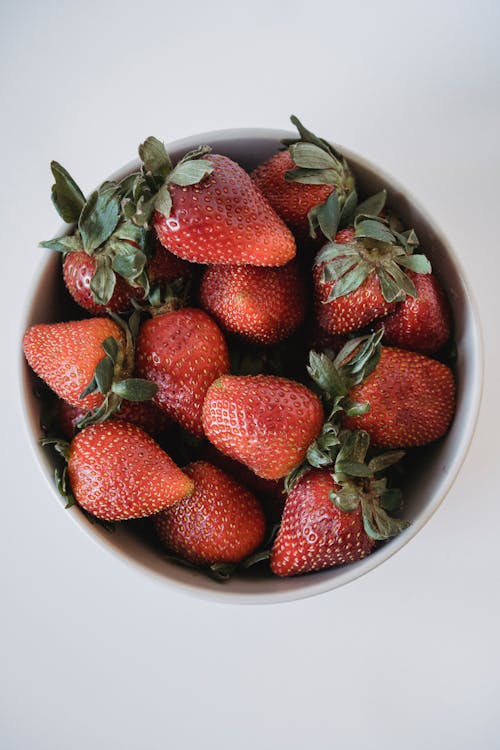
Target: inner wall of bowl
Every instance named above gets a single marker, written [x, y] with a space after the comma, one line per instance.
[423, 489]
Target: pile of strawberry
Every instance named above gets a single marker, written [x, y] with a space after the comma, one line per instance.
[254, 355]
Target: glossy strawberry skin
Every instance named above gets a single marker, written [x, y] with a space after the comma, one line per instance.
[422, 323]
[292, 201]
[411, 397]
[144, 414]
[118, 472]
[262, 305]
[65, 355]
[354, 310]
[183, 352]
[224, 219]
[79, 268]
[263, 421]
[220, 521]
[314, 534]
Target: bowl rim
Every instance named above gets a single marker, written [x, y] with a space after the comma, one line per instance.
[223, 593]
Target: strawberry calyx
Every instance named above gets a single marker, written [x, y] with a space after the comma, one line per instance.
[112, 224]
[112, 375]
[345, 452]
[376, 247]
[319, 163]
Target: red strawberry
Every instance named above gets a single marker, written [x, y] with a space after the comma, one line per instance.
[411, 397]
[144, 414]
[117, 472]
[79, 268]
[183, 352]
[297, 182]
[219, 522]
[263, 421]
[223, 219]
[263, 305]
[65, 355]
[292, 201]
[270, 492]
[314, 532]
[351, 311]
[423, 323]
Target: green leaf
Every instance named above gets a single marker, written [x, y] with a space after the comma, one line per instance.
[373, 229]
[335, 269]
[352, 468]
[102, 283]
[60, 446]
[382, 462]
[257, 557]
[129, 261]
[325, 374]
[306, 135]
[155, 158]
[163, 201]
[403, 281]
[103, 375]
[372, 206]
[67, 197]
[63, 244]
[346, 499]
[191, 172]
[110, 346]
[98, 220]
[378, 525]
[390, 290]
[335, 250]
[145, 206]
[347, 214]
[353, 409]
[354, 448]
[62, 486]
[416, 263]
[391, 500]
[312, 176]
[311, 156]
[196, 153]
[351, 281]
[127, 230]
[90, 388]
[135, 389]
[329, 216]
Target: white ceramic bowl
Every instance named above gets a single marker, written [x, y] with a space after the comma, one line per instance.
[439, 464]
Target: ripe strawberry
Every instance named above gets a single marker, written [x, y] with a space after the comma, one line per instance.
[263, 305]
[270, 492]
[117, 472]
[144, 414]
[352, 311]
[411, 398]
[314, 532]
[363, 282]
[183, 352]
[223, 219]
[65, 355]
[298, 181]
[423, 323]
[292, 201]
[219, 522]
[263, 421]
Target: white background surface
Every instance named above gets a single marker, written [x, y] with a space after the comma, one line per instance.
[96, 655]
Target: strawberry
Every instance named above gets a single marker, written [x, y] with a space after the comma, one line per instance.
[183, 352]
[65, 355]
[79, 269]
[219, 522]
[422, 323]
[118, 472]
[262, 305]
[299, 181]
[270, 492]
[144, 414]
[314, 532]
[263, 421]
[411, 400]
[224, 219]
[360, 277]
